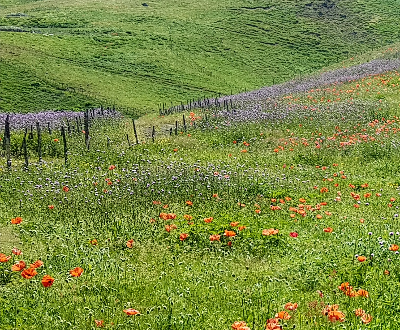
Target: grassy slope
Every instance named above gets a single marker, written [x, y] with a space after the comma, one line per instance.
[136, 56]
[197, 284]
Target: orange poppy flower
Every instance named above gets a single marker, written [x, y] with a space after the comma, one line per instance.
[269, 232]
[175, 150]
[324, 190]
[229, 233]
[20, 265]
[16, 251]
[275, 208]
[361, 258]
[47, 281]
[4, 258]
[386, 272]
[258, 211]
[16, 221]
[234, 224]
[183, 236]
[131, 311]
[189, 203]
[51, 207]
[215, 237]
[65, 189]
[208, 220]
[28, 273]
[170, 227]
[363, 293]
[336, 316]
[37, 264]
[359, 312]
[328, 230]
[111, 167]
[291, 307]
[302, 200]
[240, 325]
[76, 272]
[130, 243]
[283, 315]
[99, 323]
[273, 324]
[167, 216]
[330, 308]
[241, 228]
[187, 217]
[215, 195]
[394, 247]
[319, 216]
[366, 318]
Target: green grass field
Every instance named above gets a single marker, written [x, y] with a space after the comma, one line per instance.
[285, 218]
[217, 225]
[135, 56]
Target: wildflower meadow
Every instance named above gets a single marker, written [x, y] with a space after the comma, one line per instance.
[274, 209]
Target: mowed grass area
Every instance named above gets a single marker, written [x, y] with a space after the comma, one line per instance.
[124, 53]
[222, 223]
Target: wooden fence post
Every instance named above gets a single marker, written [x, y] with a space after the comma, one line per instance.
[65, 145]
[134, 130]
[153, 134]
[39, 139]
[7, 137]
[25, 150]
[86, 125]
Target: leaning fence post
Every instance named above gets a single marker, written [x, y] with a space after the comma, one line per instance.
[48, 127]
[65, 145]
[39, 140]
[25, 150]
[134, 130]
[127, 137]
[86, 124]
[184, 123]
[7, 137]
[176, 127]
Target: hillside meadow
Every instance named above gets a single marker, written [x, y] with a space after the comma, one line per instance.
[285, 217]
[137, 55]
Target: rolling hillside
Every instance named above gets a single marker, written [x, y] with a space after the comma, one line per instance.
[72, 54]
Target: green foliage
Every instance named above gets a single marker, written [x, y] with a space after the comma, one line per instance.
[139, 57]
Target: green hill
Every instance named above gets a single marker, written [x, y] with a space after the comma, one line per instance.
[70, 54]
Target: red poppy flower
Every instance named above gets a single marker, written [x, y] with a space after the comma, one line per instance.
[183, 236]
[28, 273]
[131, 311]
[293, 234]
[20, 265]
[99, 323]
[229, 233]
[16, 251]
[16, 221]
[37, 264]
[51, 207]
[47, 281]
[76, 272]
[215, 237]
[4, 258]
